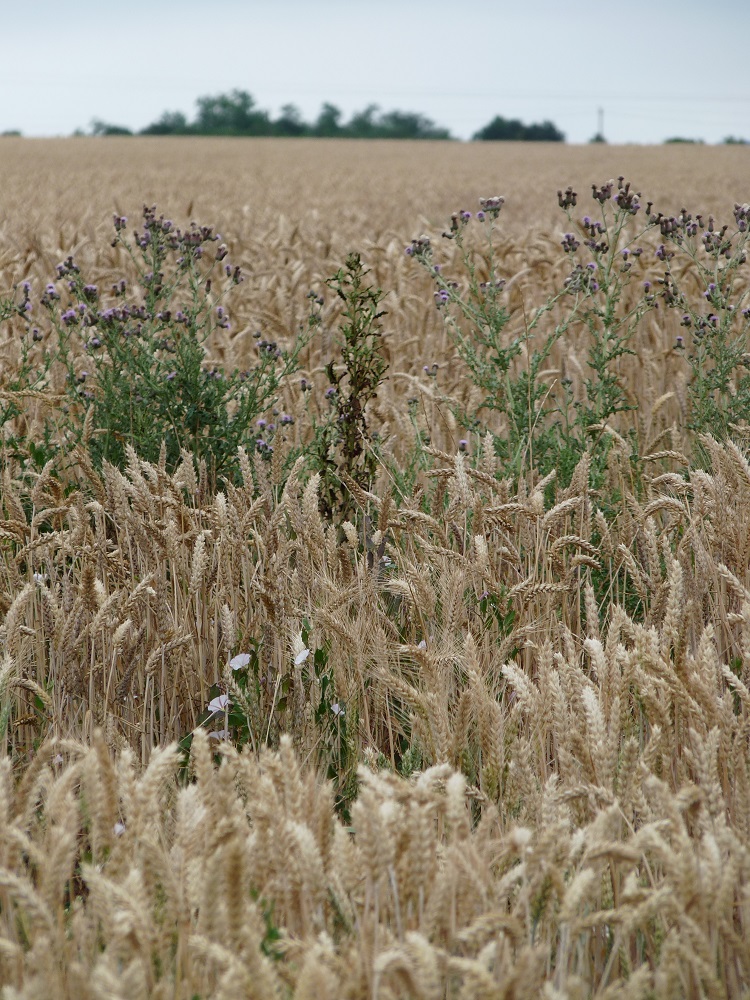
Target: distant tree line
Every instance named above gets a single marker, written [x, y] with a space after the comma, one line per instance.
[513, 130]
[236, 114]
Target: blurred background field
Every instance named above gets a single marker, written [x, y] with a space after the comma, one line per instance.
[340, 194]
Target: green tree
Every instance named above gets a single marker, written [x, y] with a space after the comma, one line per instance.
[513, 130]
[231, 114]
[290, 122]
[328, 122]
[170, 123]
[362, 124]
[409, 125]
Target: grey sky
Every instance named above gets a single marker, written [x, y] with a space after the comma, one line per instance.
[658, 68]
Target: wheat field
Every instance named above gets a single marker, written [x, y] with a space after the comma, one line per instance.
[496, 729]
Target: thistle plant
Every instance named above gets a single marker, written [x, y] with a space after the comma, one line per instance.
[599, 284]
[25, 381]
[137, 357]
[717, 331]
[476, 315]
[544, 427]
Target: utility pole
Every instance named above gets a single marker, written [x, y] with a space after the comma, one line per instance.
[600, 119]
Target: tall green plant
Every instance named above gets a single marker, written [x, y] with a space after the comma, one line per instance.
[344, 445]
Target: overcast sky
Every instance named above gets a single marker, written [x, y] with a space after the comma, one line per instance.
[657, 68]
